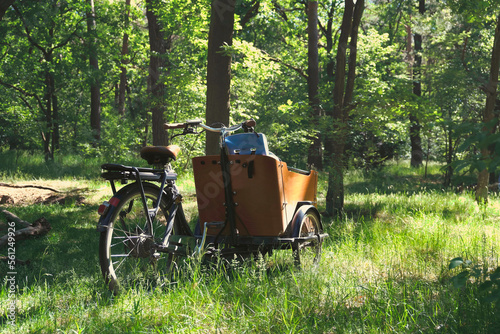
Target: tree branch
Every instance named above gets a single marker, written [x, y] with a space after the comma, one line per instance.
[281, 62]
[27, 30]
[28, 186]
[25, 93]
[280, 10]
[254, 10]
[70, 36]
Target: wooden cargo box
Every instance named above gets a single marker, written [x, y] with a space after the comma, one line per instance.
[266, 193]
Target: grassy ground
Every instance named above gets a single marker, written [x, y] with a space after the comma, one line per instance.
[384, 269]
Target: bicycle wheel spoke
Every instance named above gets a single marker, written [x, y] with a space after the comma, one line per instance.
[121, 262]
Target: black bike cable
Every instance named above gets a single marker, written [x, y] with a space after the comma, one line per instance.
[191, 149]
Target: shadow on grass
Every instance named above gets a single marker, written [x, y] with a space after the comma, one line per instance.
[69, 249]
[63, 268]
[411, 306]
[382, 183]
[68, 254]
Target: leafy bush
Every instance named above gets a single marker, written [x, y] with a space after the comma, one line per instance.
[487, 281]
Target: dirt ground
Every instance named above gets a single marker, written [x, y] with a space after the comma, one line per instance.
[34, 192]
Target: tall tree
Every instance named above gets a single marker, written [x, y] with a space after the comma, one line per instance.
[315, 153]
[342, 97]
[157, 64]
[219, 68]
[95, 87]
[59, 28]
[123, 69]
[328, 32]
[415, 127]
[488, 113]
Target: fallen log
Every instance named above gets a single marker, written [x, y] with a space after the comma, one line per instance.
[28, 186]
[13, 218]
[39, 227]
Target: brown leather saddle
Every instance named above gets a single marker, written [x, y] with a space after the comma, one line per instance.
[160, 154]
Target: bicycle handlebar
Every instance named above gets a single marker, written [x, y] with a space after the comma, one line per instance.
[246, 124]
[194, 122]
[173, 126]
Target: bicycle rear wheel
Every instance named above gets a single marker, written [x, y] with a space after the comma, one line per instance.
[127, 248]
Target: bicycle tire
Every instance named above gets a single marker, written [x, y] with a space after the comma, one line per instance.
[308, 254]
[126, 253]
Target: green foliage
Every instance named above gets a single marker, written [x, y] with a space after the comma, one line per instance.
[486, 281]
[269, 72]
[477, 139]
[17, 126]
[479, 12]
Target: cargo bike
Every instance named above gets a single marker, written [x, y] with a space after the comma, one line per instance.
[249, 203]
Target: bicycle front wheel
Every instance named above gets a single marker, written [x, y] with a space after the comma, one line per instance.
[308, 254]
[127, 251]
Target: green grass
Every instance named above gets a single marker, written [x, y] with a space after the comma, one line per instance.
[384, 269]
[24, 165]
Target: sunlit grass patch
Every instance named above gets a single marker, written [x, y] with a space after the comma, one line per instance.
[384, 268]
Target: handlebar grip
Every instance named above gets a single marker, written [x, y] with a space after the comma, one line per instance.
[167, 126]
[194, 122]
[250, 123]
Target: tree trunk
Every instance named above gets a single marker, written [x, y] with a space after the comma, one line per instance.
[157, 46]
[95, 89]
[123, 77]
[49, 103]
[328, 33]
[488, 114]
[315, 152]
[123, 70]
[51, 89]
[47, 135]
[55, 119]
[415, 139]
[218, 69]
[51, 139]
[342, 97]
[353, 52]
[449, 154]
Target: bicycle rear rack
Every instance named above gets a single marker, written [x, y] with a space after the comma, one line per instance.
[115, 172]
[112, 172]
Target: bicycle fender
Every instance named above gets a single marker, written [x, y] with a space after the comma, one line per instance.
[103, 222]
[299, 215]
